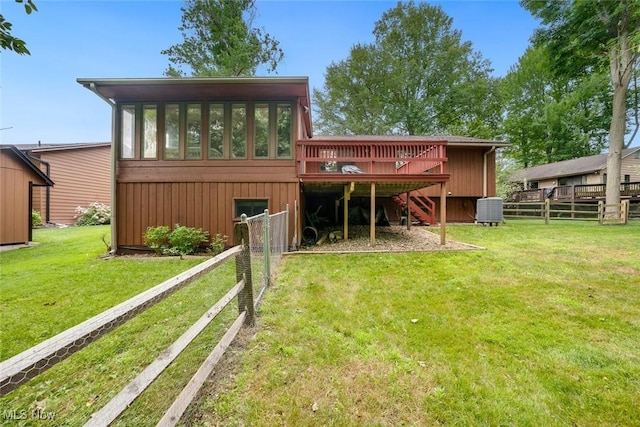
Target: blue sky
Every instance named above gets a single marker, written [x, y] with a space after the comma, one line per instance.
[40, 99]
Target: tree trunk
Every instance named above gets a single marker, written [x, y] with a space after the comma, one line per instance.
[621, 60]
[616, 143]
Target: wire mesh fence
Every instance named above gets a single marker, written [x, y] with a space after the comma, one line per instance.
[267, 242]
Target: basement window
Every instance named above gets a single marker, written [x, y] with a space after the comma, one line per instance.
[250, 207]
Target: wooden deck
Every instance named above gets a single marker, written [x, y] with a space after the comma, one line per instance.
[395, 167]
[583, 192]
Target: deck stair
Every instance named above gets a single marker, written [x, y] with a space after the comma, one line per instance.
[420, 206]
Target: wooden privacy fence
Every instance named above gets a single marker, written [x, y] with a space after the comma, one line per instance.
[548, 210]
[30, 363]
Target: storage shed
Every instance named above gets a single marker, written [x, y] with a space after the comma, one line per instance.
[18, 176]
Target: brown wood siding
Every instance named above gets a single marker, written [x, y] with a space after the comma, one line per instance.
[207, 171]
[82, 176]
[459, 209]
[206, 205]
[14, 199]
[465, 168]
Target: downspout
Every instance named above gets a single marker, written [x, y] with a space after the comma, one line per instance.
[114, 157]
[485, 172]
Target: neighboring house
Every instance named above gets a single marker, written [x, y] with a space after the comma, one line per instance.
[202, 151]
[82, 174]
[19, 176]
[584, 177]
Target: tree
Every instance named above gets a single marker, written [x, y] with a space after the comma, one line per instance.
[581, 36]
[220, 40]
[10, 42]
[417, 77]
[549, 117]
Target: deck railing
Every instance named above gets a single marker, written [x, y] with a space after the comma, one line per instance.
[377, 157]
[577, 192]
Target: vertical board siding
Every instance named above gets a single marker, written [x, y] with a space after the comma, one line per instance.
[465, 167]
[207, 205]
[459, 209]
[14, 199]
[81, 176]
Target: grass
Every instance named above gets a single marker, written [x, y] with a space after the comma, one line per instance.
[47, 289]
[541, 328]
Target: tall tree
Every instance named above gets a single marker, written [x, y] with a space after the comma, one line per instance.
[220, 40]
[550, 118]
[583, 34]
[418, 77]
[9, 41]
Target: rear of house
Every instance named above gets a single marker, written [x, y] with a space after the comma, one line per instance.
[202, 151]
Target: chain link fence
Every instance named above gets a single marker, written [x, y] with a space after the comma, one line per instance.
[268, 236]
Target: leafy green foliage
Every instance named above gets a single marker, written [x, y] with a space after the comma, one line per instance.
[181, 240]
[220, 40]
[96, 214]
[549, 118]
[187, 240]
[36, 218]
[7, 40]
[586, 35]
[418, 77]
[218, 243]
[157, 238]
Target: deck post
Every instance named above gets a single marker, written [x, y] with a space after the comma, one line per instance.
[372, 216]
[408, 210]
[547, 209]
[443, 213]
[346, 212]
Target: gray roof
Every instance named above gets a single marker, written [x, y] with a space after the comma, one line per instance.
[579, 166]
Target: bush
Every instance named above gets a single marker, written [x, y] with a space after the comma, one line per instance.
[181, 241]
[36, 218]
[218, 243]
[187, 240]
[96, 214]
[157, 238]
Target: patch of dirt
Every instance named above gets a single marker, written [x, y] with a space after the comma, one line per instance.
[388, 239]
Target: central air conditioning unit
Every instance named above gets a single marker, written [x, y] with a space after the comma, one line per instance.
[489, 210]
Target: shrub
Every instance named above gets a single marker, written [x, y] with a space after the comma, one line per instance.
[96, 214]
[187, 240]
[157, 238]
[36, 218]
[181, 241]
[218, 243]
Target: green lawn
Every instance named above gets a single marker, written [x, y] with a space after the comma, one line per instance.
[541, 328]
[46, 289]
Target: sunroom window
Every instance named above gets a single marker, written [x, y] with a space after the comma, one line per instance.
[150, 135]
[216, 131]
[172, 131]
[238, 131]
[128, 135]
[261, 130]
[194, 126]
